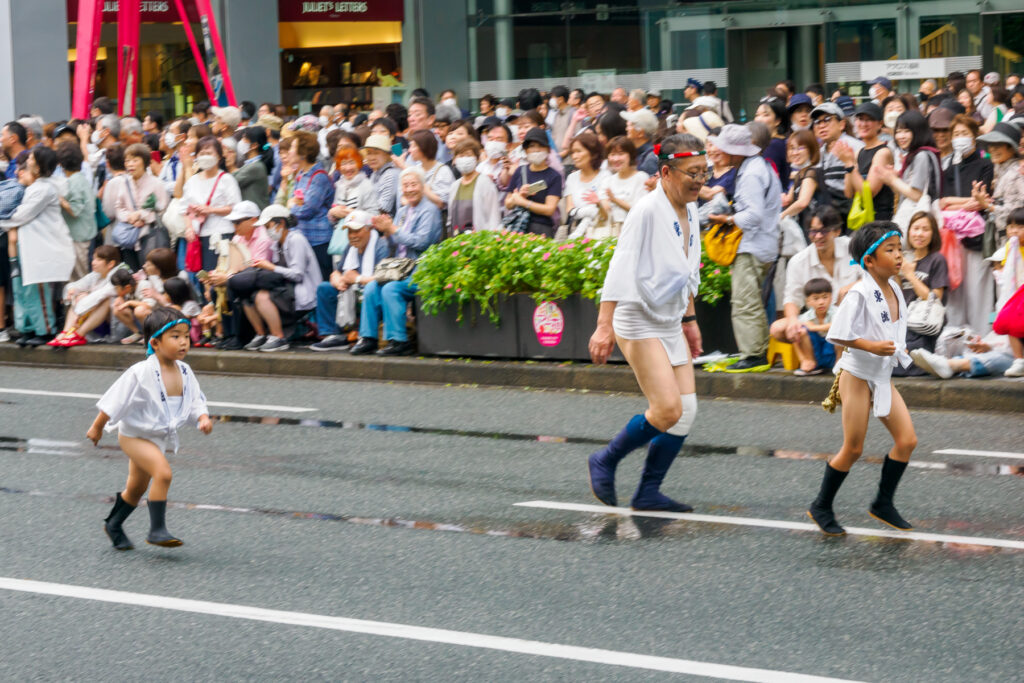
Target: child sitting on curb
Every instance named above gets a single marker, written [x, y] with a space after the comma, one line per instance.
[89, 299]
[816, 354]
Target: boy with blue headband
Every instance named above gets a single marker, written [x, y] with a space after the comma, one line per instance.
[147, 405]
[871, 323]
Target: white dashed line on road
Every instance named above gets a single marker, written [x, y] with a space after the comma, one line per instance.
[420, 633]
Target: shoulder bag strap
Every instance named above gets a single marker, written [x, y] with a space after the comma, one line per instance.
[212, 191]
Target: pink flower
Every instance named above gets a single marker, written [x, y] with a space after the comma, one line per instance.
[458, 289]
[546, 256]
[585, 240]
[587, 250]
[462, 244]
[448, 286]
[701, 265]
[718, 271]
[455, 253]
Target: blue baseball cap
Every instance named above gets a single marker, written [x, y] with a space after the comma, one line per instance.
[882, 81]
[797, 100]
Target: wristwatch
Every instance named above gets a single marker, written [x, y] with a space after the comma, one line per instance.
[689, 319]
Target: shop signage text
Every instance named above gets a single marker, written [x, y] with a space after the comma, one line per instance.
[164, 11]
[903, 69]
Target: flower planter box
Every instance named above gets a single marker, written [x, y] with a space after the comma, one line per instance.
[475, 335]
[715, 322]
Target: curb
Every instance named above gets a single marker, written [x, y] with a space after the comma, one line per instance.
[996, 395]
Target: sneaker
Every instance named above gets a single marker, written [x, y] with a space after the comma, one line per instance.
[750, 364]
[334, 342]
[257, 341]
[932, 363]
[275, 344]
[4, 336]
[1015, 370]
[230, 344]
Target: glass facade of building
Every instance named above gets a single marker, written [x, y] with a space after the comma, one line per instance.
[744, 45]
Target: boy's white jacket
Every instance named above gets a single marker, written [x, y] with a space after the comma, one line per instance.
[864, 314]
[138, 401]
[649, 265]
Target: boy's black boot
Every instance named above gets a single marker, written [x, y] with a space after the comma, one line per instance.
[821, 509]
[882, 508]
[158, 534]
[602, 464]
[112, 524]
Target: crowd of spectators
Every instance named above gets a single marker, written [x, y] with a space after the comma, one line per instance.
[270, 230]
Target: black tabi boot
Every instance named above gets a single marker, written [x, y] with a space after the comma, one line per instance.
[660, 454]
[158, 534]
[882, 508]
[112, 524]
[821, 509]
[602, 464]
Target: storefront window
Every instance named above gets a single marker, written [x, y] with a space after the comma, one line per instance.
[1004, 42]
[957, 35]
[861, 41]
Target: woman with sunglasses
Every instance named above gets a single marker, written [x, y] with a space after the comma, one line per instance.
[647, 309]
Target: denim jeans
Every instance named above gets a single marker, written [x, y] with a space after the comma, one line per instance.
[993, 363]
[390, 301]
[326, 309]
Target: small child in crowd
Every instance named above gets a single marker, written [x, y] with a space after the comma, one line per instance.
[148, 404]
[871, 323]
[89, 299]
[813, 349]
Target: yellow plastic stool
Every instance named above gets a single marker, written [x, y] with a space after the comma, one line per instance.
[787, 351]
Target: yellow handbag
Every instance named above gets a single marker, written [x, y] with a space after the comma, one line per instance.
[862, 211]
[721, 242]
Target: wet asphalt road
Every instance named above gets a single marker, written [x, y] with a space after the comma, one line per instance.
[415, 524]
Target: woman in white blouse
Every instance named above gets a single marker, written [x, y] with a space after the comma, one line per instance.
[208, 198]
[625, 185]
[581, 187]
[437, 177]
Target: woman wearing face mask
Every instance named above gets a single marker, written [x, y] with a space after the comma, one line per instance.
[474, 199]
[921, 170]
[140, 199]
[970, 303]
[257, 161]
[460, 131]
[353, 191]
[1007, 174]
[892, 107]
[807, 191]
[536, 186]
[437, 177]
[207, 199]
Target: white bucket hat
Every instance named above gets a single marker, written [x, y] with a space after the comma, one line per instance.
[378, 142]
[735, 139]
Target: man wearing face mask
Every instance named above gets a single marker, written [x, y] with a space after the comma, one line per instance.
[108, 130]
[879, 89]
[560, 114]
[171, 142]
[497, 164]
[449, 99]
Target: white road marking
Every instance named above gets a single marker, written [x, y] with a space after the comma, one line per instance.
[980, 454]
[217, 404]
[776, 524]
[432, 635]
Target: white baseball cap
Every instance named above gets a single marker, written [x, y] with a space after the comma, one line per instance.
[358, 219]
[273, 211]
[243, 211]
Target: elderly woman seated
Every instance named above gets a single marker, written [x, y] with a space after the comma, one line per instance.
[415, 228]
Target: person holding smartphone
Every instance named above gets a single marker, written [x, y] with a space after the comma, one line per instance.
[536, 186]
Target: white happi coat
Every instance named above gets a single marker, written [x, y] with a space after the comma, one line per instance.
[45, 250]
[864, 314]
[137, 404]
[96, 288]
[651, 265]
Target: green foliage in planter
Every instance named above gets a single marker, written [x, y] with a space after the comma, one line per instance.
[715, 281]
[481, 266]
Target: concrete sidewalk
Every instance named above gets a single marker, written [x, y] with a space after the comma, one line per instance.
[999, 395]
